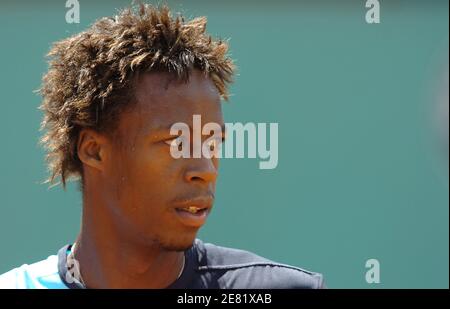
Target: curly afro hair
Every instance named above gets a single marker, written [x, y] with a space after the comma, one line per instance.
[91, 75]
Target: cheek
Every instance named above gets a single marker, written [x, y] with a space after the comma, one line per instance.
[149, 186]
[147, 174]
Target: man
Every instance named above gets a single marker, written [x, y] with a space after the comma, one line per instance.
[110, 97]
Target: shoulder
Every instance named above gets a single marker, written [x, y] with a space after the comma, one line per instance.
[39, 275]
[240, 269]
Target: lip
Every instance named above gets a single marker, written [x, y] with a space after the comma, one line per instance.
[197, 219]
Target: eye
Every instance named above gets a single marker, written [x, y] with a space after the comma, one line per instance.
[175, 142]
[213, 144]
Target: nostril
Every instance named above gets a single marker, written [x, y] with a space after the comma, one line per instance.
[200, 176]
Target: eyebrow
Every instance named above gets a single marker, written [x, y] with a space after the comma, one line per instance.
[163, 130]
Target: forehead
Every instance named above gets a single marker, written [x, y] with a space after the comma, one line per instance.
[161, 101]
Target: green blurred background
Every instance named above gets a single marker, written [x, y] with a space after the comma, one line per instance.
[359, 174]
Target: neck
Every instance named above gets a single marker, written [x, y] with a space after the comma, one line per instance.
[111, 259]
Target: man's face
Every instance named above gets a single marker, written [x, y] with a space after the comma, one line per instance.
[149, 190]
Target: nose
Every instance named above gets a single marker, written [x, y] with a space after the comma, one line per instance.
[202, 170]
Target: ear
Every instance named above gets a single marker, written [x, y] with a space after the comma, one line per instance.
[92, 148]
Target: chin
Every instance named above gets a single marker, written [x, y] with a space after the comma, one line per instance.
[180, 242]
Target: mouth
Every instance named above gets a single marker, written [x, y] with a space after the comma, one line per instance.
[193, 210]
[193, 213]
